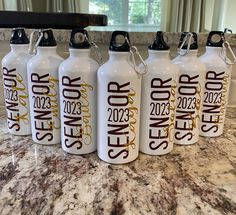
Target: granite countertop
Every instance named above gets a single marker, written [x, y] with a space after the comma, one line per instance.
[197, 179]
[137, 38]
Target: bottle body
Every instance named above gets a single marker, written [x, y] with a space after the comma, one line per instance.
[216, 92]
[189, 98]
[118, 110]
[14, 67]
[44, 95]
[158, 104]
[77, 79]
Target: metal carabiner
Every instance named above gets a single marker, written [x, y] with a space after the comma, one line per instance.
[188, 39]
[224, 53]
[141, 59]
[134, 50]
[33, 48]
[97, 53]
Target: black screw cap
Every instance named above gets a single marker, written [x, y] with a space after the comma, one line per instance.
[48, 39]
[19, 37]
[215, 44]
[74, 43]
[194, 44]
[125, 47]
[159, 42]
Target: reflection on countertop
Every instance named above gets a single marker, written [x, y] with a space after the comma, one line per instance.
[197, 179]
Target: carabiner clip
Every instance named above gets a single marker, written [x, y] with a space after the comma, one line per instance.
[188, 39]
[224, 53]
[97, 53]
[228, 30]
[33, 48]
[134, 50]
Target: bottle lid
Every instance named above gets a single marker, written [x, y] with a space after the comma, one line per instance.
[19, 37]
[194, 42]
[79, 39]
[159, 42]
[125, 47]
[47, 38]
[218, 43]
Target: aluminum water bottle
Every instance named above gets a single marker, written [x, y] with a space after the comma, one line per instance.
[77, 81]
[216, 87]
[14, 68]
[43, 91]
[158, 100]
[189, 92]
[119, 89]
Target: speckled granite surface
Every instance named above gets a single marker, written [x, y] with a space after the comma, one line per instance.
[198, 179]
[137, 38]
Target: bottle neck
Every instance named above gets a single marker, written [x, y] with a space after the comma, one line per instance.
[19, 48]
[47, 50]
[191, 53]
[119, 55]
[158, 54]
[215, 50]
[79, 52]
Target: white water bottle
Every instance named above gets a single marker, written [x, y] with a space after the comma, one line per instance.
[14, 68]
[158, 100]
[43, 91]
[118, 105]
[216, 87]
[189, 90]
[77, 81]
